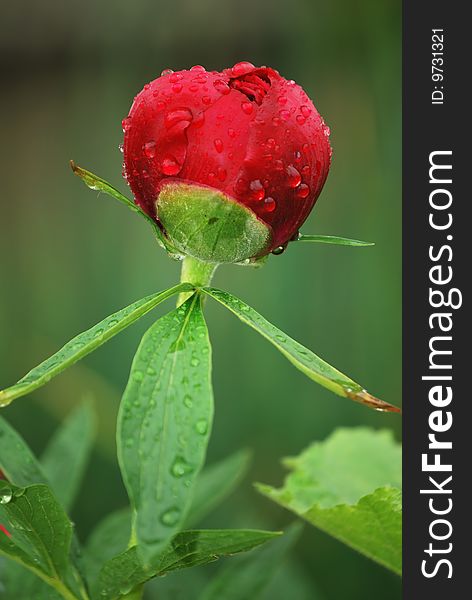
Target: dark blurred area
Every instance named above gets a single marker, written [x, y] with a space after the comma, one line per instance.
[69, 71]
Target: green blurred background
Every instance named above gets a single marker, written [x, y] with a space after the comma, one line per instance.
[69, 71]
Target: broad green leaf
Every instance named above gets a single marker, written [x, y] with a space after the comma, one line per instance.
[112, 534]
[333, 239]
[350, 487]
[248, 576]
[66, 455]
[305, 360]
[215, 483]
[84, 343]
[164, 424]
[109, 538]
[186, 549]
[40, 536]
[100, 185]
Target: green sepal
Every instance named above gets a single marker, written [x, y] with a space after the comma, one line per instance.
[210, 226]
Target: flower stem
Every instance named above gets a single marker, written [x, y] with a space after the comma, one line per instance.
[196, 272]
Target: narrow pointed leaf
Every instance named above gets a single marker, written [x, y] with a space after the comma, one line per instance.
[305, 360]
[333, 239]
[84, 343]
[186, 549]
[39, 536]
[97, 183]
[215, 483]
[248, 576]
[164, 424]
[350, 487]
[65, 458]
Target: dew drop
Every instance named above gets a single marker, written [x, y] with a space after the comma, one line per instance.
[231, 133]
[193, 88]
[206, 100]
[175, 77]
[282, 100]
[159, 106]
[6, 495]
[188, 401]
[138, 376]
[294, 177]
[221, 86]
[195, 361]
[120, 148]
[302, 191]
[306, 111]
[170, 166]
[149, 149]
[221, 173]
[278, 250]
[175, 116]
[218, 145]
[180, 467]
[247, 108]
[129, 443]
[242, 68]
[201, 426]
[300, 119]
[170, 517]
[166, 72]
[284, 114]
[269, 204]
[256, 190]
[198, 69]
[177, 88]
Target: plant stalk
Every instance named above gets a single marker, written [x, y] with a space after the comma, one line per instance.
[196, 272]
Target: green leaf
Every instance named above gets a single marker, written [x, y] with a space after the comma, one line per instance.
[187, 549]
[333, 239]
[350, 487]
[67, 453]
[164, 423]
[215, 483]
[84, 343]
[40, 536]
[248, 576]
[97, 183]
[303, 359]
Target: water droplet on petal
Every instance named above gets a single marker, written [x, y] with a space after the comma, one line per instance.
[218, 145]
[278, 250]
[188, 401]
[138, 376]
[231, 133]
[206, 100]
[175, 77]
[300, 119]
[221, 86]
[242, 68]
[284, 114]
[175, 116]
[247, 108]
[149, 149]
[221, 173]
[180, 467]
[306, 111]
[269, 204]
[282, 100]
[198, 68]
[257, 191]
[177, 87]
[302, 191]
[294, 177]
[170, 166]
[166, 72]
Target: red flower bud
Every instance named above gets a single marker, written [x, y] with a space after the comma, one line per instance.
[247, 132]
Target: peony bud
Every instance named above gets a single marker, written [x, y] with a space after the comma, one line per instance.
[230, 164]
